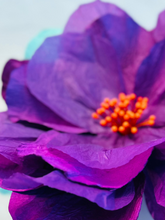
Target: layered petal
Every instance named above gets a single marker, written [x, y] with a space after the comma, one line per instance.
[47, 203]
[155, 172]
[109, 199]
[36, 42]
[75, 76]
[84, 158]
[13, 169]
[85, 68]
[157, 211]
[132, 42]
[77, 71]
[86, 14]
[24, 106]
[9, 67]
[159, 30]
[150, 82]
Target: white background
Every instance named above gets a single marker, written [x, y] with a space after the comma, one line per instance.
[21, 20]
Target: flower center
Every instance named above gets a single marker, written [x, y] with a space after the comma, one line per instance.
[122, 114]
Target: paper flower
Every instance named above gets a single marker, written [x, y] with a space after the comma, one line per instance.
[103, 77]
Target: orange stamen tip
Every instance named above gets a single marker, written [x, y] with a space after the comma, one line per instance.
[138, 105]
[140, 99]
[152, 117]
[103, 122]
[151, 122]
[143, 106]
[131, 114]
[114, 128]
[137, 115]
[121, 113]
[145, 99]
[121, 129]
[122, 96]
[121, 105]
[105, 105]
[140, 111]
[126, 103]
[134, 130]
[114, 115]
[106, 100]
[126, 117]
[117, 110]
[95, 115]
[133, 96]
[113, 102]
[108, 119]
[100, 111]
[126, 124]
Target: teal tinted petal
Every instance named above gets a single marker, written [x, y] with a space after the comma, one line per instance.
[36, 42]
[4, 192]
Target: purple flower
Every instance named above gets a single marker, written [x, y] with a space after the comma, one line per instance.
[98, 174]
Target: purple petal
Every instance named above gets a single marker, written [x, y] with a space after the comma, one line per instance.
[22, 176]
[159, 31]
[84, 159]
[11, 136]
[150, 82]
[86, 14]
[157, 211]
[9, 67]
[159, 152]
[132, 43]
[19, 182]
[109, 199]
[24, 106]
[155, 171]
[150, 76]
[86, 68]
[79, 78]
[46, 203]
[76, 71]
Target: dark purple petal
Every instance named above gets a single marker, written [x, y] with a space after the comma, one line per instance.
[12, 135]
[149, 79]
[159, 152]
[150, 82]
[9, 67]
[46, 204]
[109, 199]
[155, 171]
[11, 165]
[159, 31]
[84, 158]
[157, 211]
[22, 176]
[24, 106]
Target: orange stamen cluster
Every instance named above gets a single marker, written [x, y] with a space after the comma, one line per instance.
[122, 114]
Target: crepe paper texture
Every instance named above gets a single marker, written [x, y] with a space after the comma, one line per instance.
[58, 159]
